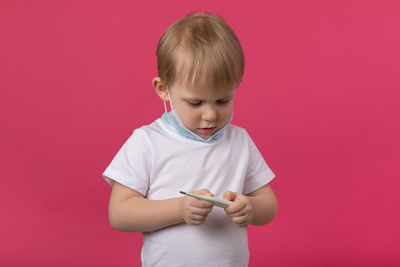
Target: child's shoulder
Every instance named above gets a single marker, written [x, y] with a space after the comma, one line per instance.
[236, 131]
[152, 133]
[236, 128]
[143, 134]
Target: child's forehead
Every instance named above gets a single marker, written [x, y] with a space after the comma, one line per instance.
[200, 82]
[203, 91]
[198, 72]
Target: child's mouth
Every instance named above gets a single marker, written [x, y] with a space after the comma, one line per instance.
[207, 130]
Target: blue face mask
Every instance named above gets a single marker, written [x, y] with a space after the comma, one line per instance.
[173, 121]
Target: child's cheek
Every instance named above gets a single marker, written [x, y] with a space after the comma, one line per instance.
[186, 118]
[226, 113]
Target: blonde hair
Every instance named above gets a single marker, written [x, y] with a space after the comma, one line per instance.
[201, 50]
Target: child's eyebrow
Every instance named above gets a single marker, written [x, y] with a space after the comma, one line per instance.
[193, 99]
[198, 99]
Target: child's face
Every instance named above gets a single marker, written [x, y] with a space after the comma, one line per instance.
[203, 111]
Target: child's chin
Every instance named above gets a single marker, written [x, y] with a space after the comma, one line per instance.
[205, 137]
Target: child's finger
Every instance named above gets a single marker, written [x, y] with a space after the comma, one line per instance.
[195, 222]
[204, 192]
[238, 203]
[203, 204]
[196, 217]
[199, 211]
[239, 213]
[234, 208]
[240, 221]
[228, 195]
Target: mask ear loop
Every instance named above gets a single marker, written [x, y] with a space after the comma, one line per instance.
[170, 102]
[165, 107]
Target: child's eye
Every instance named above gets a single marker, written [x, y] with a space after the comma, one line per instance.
[222, 102]
[195, 104]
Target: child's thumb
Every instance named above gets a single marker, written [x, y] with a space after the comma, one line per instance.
[228, 195]
[205, 192]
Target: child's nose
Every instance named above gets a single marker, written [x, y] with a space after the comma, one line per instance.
[209, 114]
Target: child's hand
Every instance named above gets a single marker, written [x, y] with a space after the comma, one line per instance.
[240, 211]
[195, 211]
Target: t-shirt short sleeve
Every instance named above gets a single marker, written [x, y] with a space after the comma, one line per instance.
[131, 165]
[258, 173]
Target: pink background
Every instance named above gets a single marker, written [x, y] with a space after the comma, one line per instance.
[320, 98]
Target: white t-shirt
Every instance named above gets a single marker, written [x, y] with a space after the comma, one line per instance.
[158, 163]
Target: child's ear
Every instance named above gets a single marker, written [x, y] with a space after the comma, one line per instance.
[160, 88]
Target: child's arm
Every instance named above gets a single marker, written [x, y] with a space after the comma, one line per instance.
[258, 207]
[129, 211]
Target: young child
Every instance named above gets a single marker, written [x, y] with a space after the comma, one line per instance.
[192, 148]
